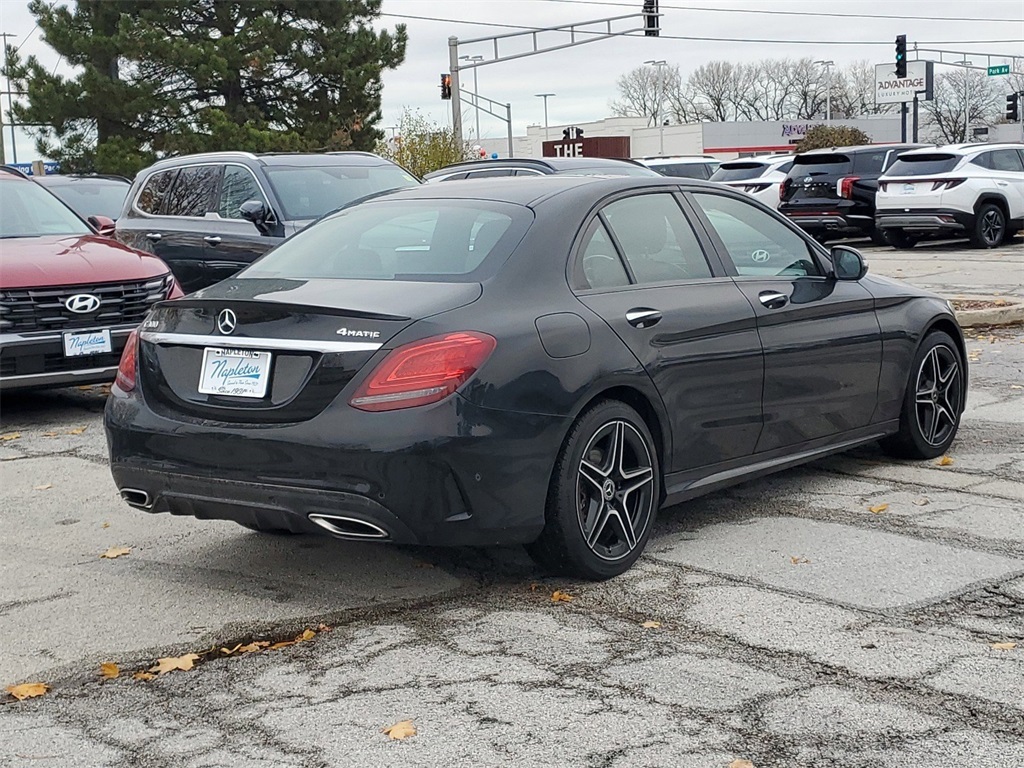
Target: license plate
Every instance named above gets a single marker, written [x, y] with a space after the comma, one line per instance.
[86, 343]
[234, 372]
[908, 189]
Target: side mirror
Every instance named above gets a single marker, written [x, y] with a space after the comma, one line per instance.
[848, 263]
[103, 225]
[256, 212]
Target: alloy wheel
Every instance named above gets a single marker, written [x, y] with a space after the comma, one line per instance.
[615, 490]
[939, 393]
[992, 226]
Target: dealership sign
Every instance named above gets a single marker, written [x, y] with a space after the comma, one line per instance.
[890, 89]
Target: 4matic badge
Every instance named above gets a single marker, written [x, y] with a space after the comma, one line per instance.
[354, 332]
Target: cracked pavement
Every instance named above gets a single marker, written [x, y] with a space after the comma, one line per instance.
[796, 626]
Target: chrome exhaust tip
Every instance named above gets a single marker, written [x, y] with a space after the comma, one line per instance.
[136, 498]
[349, 527]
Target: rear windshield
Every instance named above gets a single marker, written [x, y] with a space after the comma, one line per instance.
[310, 192]
[93, 197]
[738, 171]
[461, 241]
[918, 165]
[682, 170]
[28, 210]
[817, 165]
[612, 169]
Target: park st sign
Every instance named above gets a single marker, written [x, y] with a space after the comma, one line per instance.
[890, 89]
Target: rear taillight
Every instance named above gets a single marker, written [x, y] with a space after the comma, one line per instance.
[883, 186]
[845, 186]
[946, 184]
[126, 370]
[423, 371]
[782, 188]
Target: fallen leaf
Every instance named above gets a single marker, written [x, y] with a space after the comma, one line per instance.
[49, 434]
[1000, 302]
[307, 634]
[172, 663]
[878, 509]
[651, 624]
[921, 502]
[229, 651]
[282, 644]
[10, 436]
[253, 647]
[113, 552]
[46, 487]
[799, 560]
[558, 596]
[1016, 386]
[109, 670]
[85, 387]
[741, 764]
[945, 461]
[534, 587]
[324, 628]
[105, 525]
[27, 690]
[1002, 646]
[143, 676]
[77, 430]
[401, 730]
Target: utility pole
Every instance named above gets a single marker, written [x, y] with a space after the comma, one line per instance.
[10, 104]
[660, 64]
[476, 90]
[828, 88]
[545, 97]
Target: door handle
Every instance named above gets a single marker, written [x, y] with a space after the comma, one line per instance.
[153, 236]
[773, 300]
[212, 240]
[643, 317]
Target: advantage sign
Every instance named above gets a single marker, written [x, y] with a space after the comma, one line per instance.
[890, 89]
[999, 69]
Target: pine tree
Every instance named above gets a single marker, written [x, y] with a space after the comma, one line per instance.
[173, 76]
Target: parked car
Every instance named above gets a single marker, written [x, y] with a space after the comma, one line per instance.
[972, 190]
[831, 192]
[543, 361]
[759, 177]
[69, 298]
[535, 166]
[210, 215]
[87, 196]
[682, 166]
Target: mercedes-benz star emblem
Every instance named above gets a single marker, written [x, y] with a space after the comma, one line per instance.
[226, 321]
[760, 256]
[82, 303]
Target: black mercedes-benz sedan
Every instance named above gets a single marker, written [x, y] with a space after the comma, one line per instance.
[541, 361]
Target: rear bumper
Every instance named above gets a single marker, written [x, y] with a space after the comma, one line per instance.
[446, 474]
[839, 222]
[925, 220]
[36, 360]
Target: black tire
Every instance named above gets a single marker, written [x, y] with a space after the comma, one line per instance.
[606, 487]
[877, 236]
[989, 228]
[933, 403]
[897, 238]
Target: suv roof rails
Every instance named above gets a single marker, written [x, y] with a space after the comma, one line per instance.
[14, 171]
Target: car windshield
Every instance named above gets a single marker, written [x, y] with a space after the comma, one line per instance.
[92, 197]
[738, 171]
[28, 210]
[825, 164]
[681, 170]
[307, 192]
[419, 240]
[915, 165]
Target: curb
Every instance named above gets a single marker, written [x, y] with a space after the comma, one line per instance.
[1012, 313]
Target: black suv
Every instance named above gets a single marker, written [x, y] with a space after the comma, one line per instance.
[535, 166]
[209, 215]
[830, 193]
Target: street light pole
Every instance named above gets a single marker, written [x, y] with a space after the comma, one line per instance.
[545, 97]
[967, 97]
[660, 64]
[476, 92]
[828, 88]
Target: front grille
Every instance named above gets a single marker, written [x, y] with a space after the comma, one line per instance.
[43, 309]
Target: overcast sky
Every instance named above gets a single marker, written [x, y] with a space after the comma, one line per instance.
[584, 77]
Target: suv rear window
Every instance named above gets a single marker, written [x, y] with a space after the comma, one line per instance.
[309, 192]
[827, 164]
[869, 162]
[681, 170]
[923, 165]
[738, 171]
[458, 241]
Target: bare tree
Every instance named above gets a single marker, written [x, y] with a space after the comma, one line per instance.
[960, 94]
[714, 90]
[640, 92]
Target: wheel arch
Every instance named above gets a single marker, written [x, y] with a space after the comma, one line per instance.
[993, 197]
[950, 327]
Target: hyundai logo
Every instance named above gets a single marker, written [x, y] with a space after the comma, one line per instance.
[82, 303]
[226, 321]
[760, 256]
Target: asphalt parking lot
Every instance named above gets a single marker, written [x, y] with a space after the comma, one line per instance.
[858, 612]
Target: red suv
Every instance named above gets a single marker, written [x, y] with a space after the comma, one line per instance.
[69, 294]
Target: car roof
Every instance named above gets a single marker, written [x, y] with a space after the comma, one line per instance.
[764, 159]
[863, 148]
[676, 159]
[966, 149]
[540, 163]
[293, 159]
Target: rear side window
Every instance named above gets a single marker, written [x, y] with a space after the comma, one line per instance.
[153, 193]
[193, 191]
[869, 162]
[681, 170]
[600, 262]
[1005, 160]
[417, 240]
[828, 164]
[923, 165]
[738, 171]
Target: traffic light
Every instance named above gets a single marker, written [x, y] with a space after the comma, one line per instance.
[901, 55]
[1013, 107]
[446, 86]
[652, 21]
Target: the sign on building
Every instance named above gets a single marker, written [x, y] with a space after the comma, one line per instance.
[890, 89]
[596, 146]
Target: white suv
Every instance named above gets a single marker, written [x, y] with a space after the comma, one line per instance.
[975, 190]
[682, 166]
[759, 177]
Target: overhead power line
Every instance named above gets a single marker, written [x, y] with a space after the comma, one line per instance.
[827, 14]
[692, 38]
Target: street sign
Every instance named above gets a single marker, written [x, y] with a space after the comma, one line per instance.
[999, 69]
[890, 89]
[48, 166]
